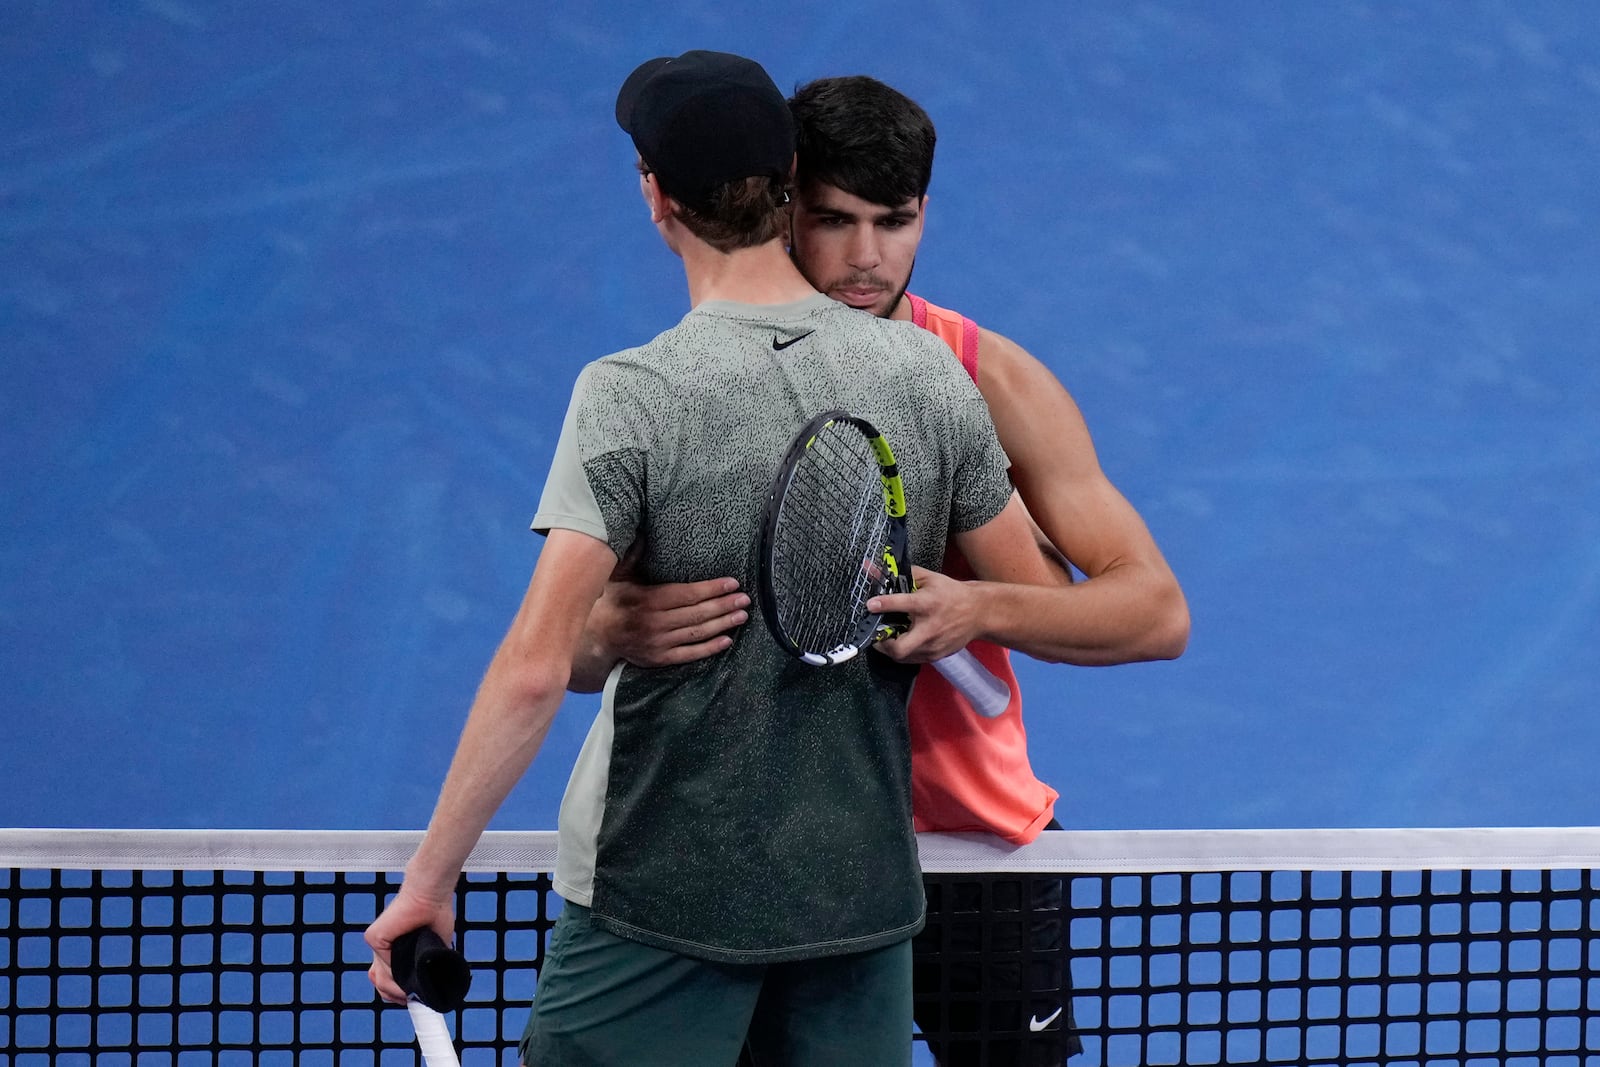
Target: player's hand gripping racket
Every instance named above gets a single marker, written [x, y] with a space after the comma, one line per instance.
[435, 978]
[833, 537]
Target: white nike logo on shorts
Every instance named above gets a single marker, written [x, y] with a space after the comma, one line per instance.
[1036, 1024]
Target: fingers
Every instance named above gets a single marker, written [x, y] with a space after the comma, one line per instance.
[652, 635]
[679, 654]
[699, 621]
[381, 976]
[383, 981]
[923, 583]
[939, 617]
[926, 581]
[403, 914]
[679, 595]
[901, 649]
[896, 604]
[708, 613]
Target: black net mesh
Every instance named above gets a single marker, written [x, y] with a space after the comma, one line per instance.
[1350, 968]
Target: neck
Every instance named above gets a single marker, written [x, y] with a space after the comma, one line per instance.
[760, 275]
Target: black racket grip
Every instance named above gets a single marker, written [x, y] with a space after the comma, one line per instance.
[428, 969]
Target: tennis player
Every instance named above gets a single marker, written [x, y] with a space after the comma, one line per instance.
[736, 848]
[865, 162]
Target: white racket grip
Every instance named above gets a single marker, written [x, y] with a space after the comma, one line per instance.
[433, 1037]
[988, 695]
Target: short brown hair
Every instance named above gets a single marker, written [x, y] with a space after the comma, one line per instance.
[742, 213]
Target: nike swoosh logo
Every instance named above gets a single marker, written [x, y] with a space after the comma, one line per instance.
[779, 346]
[1036, 1024]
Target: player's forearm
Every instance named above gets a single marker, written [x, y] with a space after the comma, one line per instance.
[507, 725]
[515, 704]
[1124, 615]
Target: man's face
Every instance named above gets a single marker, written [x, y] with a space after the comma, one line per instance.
[856, 251]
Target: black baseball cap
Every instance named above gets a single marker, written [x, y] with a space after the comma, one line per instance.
[703, 119]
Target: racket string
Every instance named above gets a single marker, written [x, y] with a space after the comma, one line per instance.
[829, 541]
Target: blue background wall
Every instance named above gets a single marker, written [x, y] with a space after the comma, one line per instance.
[292, 295]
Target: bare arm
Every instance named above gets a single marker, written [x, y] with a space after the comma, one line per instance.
[1131, 607]
[506, 726]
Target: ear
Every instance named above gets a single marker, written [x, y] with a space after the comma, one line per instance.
[662, 206]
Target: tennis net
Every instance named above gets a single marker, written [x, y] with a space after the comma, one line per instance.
[1347, 947]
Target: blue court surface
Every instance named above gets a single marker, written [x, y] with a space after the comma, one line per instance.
[292, 296]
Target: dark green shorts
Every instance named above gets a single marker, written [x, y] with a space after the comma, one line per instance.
[604, 1000]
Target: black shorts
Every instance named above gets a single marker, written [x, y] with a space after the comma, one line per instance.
[990, 980]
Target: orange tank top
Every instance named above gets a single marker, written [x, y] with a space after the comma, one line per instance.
[969, 772]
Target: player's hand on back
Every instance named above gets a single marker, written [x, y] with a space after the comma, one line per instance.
[666, 625]
[943, 613]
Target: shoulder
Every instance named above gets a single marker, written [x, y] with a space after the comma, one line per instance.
[941, 356]
[636, 387]
[686, 339]
[930, 316]
[1006, 367]
[611, 372]
[993, 352]
[997, 350]
[859, 327]
[661, 355]
[1038, 420]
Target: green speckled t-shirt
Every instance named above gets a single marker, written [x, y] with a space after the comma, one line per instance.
[747, 807]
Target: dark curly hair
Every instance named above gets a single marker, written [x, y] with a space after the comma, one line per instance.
[858, 134]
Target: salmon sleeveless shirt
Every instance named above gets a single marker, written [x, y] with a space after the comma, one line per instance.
[969, 772]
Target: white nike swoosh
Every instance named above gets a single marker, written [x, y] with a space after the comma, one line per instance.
[1036, 1024]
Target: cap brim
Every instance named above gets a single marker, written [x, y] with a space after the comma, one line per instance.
[628, 95]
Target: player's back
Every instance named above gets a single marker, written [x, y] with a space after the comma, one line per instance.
[680, 440]
[717, 398]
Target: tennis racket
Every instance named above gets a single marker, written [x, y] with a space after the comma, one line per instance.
[435, 979]
[834, 536]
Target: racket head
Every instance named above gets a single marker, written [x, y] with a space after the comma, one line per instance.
[833, 535]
